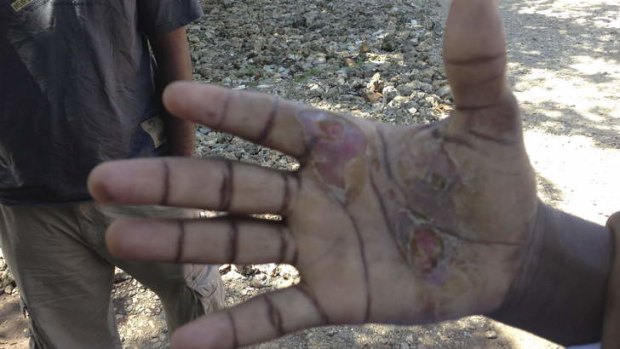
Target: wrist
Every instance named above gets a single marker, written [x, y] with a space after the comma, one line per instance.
[559, 292]
[611, 335]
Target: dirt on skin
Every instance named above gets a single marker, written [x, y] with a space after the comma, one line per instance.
[380, 60]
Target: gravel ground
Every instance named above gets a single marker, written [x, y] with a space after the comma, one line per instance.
[380, 60]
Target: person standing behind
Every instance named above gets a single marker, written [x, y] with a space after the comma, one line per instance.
[80, 84]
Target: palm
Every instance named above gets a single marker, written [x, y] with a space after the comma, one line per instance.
[409, 204]
[385, 224]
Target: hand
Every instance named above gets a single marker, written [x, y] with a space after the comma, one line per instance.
[385, 224]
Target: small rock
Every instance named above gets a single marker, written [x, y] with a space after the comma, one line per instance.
[376, 84]
[389, 43]
[444, 91]
[256, 283]
[6, 279]
[268, 269]
[311, 19]
[389, 93]
[373, 97]
[349, 62]
[490, 334]
[398, 102]
[320, 59]
[406, 89]
[430, 101]
[427, 74]
[364, 48]
[120, 276]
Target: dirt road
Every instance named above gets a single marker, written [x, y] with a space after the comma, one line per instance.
[565, 69]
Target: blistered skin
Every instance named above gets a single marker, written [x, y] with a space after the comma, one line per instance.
[420, 244]
[421, 186]
[338, 151]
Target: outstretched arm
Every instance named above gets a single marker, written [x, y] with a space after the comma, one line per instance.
[416, 224]
[560, 292]
[172, 54]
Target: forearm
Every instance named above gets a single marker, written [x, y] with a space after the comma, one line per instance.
[172, 54]
[560, 291]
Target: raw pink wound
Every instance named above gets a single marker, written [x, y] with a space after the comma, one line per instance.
[337, 143]
[427, 249]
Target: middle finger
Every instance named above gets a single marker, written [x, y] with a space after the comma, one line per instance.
[209, 184]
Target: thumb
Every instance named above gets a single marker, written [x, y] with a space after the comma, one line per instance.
[475, 53]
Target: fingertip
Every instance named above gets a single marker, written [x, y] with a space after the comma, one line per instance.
[174, 92]
[189, 100]
[206, 333]
[132, 182]
[474, 29]
[107, 183]
[474, 52]
[98, 183]
[115, 241]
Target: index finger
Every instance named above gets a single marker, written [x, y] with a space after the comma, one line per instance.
[255, 117]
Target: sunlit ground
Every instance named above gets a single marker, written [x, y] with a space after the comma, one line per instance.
[570, 98]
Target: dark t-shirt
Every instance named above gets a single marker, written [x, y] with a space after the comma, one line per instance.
[76, 89]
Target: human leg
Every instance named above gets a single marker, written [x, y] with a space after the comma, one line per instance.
[186, 291]
[65, 285]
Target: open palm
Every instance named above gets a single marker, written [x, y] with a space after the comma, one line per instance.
[385, 224]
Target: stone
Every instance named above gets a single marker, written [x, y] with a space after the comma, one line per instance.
[364, 48]
[389, 93]
[444, 92]
[490, 334]
[373, 97]
[389, 43]
[376, 84]
[398, 102]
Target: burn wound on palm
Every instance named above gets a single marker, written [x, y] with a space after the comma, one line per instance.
[426, 249]
[338, 150]
[421, 245]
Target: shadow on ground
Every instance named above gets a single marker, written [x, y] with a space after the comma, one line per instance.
[566, 62]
